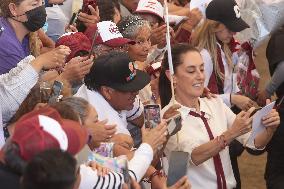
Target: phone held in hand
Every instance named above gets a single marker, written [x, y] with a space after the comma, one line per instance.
[74, 18]
[125, 171]
[178, 164]
[254, 111]
[56, 92]
[174, 124]
[152, 115]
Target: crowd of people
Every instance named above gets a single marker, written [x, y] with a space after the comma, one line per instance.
[74, 87]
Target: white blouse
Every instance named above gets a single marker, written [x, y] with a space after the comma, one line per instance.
[194, 134]
[230, 81]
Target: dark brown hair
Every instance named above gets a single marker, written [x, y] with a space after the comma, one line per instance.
[178, 51]
[4, 7]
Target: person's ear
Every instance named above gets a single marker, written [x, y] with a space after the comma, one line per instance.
[13, 9]
[106, 92]
[39, 106]
[168, 74]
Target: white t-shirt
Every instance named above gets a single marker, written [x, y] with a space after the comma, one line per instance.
[106, 111]
[230, 81]
[193, 134]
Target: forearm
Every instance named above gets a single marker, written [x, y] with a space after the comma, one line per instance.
[143, 154]
[212, 148]
[263, 138]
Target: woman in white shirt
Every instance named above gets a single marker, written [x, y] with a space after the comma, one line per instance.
[214, 39]
[208, 125]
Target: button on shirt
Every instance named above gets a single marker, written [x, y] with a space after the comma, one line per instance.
[193, 134]
[12, 51]
[230, 80]
[106, 111]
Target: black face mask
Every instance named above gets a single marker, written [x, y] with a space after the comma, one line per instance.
[36, 18]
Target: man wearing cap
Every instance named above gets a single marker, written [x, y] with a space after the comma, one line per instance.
[112, 86]
[35, 132]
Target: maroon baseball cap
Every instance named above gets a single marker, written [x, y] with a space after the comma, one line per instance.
[76, 41]
[44, 129]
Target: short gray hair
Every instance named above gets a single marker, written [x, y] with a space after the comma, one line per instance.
[79, 105]
[130, 25]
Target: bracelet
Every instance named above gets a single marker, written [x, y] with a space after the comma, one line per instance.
[156, 173]
[231, 99]
[221, 140]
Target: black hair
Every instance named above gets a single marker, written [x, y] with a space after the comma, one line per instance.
[50, 169]
[164, 83]
[107, 9]
[13, 159]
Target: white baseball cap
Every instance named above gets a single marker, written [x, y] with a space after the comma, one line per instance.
[151, 6]
[107, 33]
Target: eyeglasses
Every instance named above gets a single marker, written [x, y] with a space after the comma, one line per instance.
[143, 42]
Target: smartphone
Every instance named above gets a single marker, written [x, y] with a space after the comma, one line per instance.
[152, 115]
[74, 18]
[56, 91]
[177, 166]
[174, 124]
[125, 171]
[45, 92]
[254, 111]
[86, 3]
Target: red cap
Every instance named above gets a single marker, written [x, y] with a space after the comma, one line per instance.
[107, 34]
[44, 129]
[76, 42]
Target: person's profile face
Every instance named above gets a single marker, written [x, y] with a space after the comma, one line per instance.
[223, 34]
[122, 100]
[190, 75]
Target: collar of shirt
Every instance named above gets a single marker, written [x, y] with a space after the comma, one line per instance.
[184, 110]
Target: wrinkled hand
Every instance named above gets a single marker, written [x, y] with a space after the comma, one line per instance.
[101, 170]
[155, 137]
[242, 123]
[92, 19]
[208, 94]
[172, 111]
[158, 34]
[182, 183]
[242, 102]
[261, 97]
[194, 17]
[100, 131]
[54, 58]
[77, 68]
[272, 120]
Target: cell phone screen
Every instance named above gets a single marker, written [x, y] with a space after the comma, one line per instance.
[152, 115]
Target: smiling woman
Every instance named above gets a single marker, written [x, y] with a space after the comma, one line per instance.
[208, 125]
[138, 30]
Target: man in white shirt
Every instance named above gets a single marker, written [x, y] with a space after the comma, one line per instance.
[112, 87]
